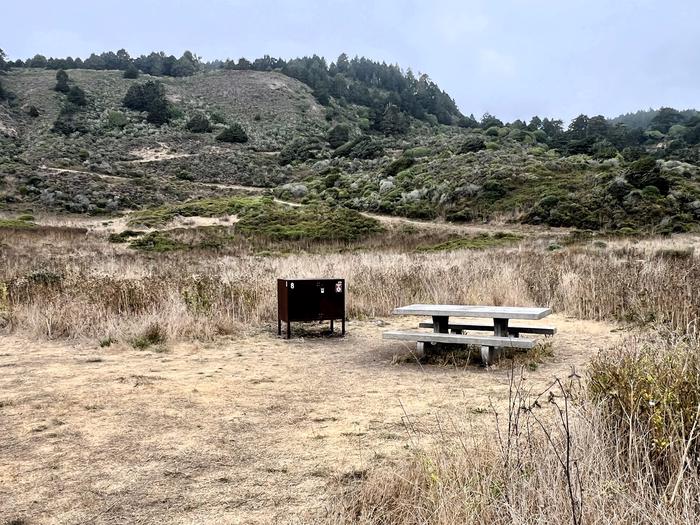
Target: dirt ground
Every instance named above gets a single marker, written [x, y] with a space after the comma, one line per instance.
[253, 429]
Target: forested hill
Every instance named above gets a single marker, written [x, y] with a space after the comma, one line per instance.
[110, 133]
[357, 80]
[644, 118]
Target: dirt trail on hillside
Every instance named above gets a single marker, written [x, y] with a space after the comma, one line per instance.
[252, 429]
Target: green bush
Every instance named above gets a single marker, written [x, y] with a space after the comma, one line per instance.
[400, 164]
[299, 150]
[364, 147]
[472, 144]
[131, 72]
[338, 135]
[117, 120]
[77, 96]
[199, 123]
[233, 134]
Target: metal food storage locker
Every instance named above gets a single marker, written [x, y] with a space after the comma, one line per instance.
[304, 300]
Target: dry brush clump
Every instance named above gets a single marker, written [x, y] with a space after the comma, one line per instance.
[572, 454]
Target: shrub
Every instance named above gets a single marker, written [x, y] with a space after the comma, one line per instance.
[299, 150]
[472, 144]
[400, 164]
[234, 133]
[364, 147]
[199, 123]
[33, 111]
[338, 135]
[652, 388]
[153, 334]
[131, 72]
[117, 119]
[77, 96]
[217, 118]
[149, 97]
[61, 82]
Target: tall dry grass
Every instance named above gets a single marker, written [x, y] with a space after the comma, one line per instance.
[73, 285]
[568, 455]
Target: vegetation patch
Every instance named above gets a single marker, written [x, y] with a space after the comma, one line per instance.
[261, 217]
[477, 242]
[17, 224]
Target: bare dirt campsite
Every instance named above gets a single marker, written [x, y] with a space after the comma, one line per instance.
[251, 429]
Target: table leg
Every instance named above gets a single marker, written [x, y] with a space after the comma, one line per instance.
[440, 324]
[490, 353]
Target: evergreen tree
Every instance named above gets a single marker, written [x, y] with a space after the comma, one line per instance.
[149, 97]
[77, 96]
[61, 81]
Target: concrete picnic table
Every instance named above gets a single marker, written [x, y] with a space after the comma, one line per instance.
[503, 334]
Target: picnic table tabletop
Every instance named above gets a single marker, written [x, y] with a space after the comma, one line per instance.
[459, 310]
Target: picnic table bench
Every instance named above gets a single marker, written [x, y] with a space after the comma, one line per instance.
[445, 333]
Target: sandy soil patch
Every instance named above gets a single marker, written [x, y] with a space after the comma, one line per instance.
[247, 430]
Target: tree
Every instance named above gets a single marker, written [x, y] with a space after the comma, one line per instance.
[77, 96]
[131, 71]
[199, 123]
[3, 65]
[488, 121]
[149, 97]
[467, 122]
[343, 64]
[665, 118]
[234, 133]
[244, 63]
[553, 127]
[185, 66]
[393, 121]
[38, 61]
[61, 82]
[338, 135]
[535, 124]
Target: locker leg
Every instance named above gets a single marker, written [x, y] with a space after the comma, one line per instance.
[289, 333]
[343, 325]
[279, 326]
[331, 325]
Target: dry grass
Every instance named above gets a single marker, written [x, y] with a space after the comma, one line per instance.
[69, 284]
[556, 456]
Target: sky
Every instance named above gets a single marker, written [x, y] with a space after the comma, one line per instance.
[511, 58]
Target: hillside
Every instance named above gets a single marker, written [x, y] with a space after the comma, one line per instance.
[594, 175]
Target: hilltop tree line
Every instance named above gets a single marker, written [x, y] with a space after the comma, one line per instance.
[390, 93]
[393, 95]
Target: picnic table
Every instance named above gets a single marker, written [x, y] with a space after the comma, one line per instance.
[446, 333]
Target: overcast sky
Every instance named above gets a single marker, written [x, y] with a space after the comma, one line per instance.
[513, 58]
